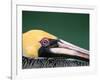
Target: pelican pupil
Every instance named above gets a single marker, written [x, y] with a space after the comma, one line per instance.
[44, 42]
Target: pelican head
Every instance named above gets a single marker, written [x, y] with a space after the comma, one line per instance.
[39, 43]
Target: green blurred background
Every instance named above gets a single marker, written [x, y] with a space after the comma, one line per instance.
[71, 27]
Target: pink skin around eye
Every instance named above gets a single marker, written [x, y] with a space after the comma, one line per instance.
[44, 42]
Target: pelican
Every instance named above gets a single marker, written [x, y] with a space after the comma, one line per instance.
[39, 43]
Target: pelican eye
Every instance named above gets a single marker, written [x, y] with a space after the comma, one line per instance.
[45, 42]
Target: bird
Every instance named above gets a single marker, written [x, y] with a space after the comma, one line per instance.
[39, 43]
